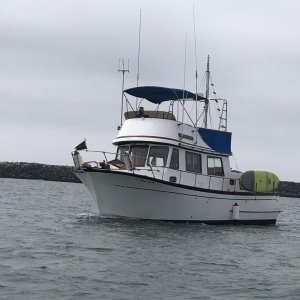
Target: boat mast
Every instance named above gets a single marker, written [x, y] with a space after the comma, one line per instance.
[206, 93]
[123, 70]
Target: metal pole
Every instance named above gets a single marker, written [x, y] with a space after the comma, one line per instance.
[139, 53]
[123, 70]
[184, 74]
[195, 38]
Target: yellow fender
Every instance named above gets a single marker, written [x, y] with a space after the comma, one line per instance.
[259, 181]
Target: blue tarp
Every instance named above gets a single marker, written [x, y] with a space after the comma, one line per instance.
[157, 94]
[220, 141]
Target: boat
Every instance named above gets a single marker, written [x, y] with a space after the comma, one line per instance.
[169, 167]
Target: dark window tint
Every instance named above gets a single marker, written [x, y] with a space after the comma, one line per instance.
[193, 162]
[139, 155]
[214, 166]
[158, 156]
[174, 163]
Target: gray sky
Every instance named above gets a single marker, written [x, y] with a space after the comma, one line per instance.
[59, 81]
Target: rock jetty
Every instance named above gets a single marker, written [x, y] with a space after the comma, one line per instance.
[23, 170]
[289, 189]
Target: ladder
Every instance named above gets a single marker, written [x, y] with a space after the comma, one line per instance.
[223, 117]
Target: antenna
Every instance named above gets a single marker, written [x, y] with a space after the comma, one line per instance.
[196, 74]
[206, 93]
[123, 70]
[139, 53]
[184, 73]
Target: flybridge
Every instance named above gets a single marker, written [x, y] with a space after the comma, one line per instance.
[191, 107]
[218, 140]
[158, 95]
[185, 107]
[197, 111]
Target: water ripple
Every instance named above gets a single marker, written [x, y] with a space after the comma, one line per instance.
[54, 245]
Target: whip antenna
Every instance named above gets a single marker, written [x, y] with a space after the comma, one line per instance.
[196, 73]
[184, 73]
[139, 53]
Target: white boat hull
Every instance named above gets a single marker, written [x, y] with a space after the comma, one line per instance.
[129, 195]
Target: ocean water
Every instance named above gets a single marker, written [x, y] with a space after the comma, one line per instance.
[54, 245]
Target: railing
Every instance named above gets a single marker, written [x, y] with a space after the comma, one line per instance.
[166, 172]
[222, 187]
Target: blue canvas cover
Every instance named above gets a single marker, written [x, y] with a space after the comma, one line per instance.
[220, 141]
[158, 94]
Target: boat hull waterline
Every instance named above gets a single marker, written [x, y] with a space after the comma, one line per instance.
[134, 196]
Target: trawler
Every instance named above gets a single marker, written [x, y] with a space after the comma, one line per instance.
[167, 167]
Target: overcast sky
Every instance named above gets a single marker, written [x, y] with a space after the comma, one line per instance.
[59, 82]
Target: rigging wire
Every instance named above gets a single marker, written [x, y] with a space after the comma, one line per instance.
[235, 162]
[201, 116]
[219, 110]
[212, 126]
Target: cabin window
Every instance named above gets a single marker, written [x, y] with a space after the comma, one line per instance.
[193, 162]
[139, 155]
[215, 166]
[121, 151]
[174, 162]
[158, 156]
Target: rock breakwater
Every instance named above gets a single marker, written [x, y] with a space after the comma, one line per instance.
[289, 189]
[24, 170]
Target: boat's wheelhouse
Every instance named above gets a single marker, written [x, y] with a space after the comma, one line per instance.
[154, 155]
[177, 165]
[144, 155]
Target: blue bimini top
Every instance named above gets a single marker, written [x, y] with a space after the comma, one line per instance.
[157, 94]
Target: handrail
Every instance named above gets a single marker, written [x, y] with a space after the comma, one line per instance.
[99, 151]
[151, 170]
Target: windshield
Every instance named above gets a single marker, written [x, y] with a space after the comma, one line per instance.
[139, 155]
[158, 156]
[121, 151]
